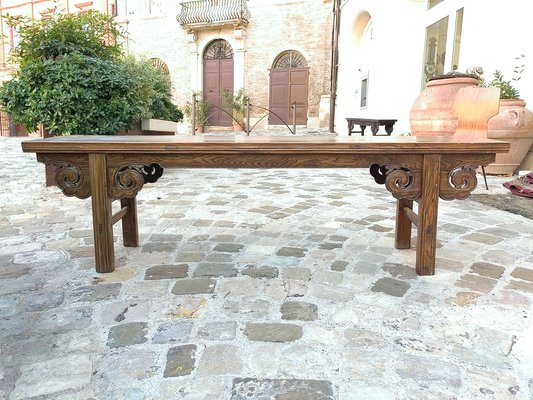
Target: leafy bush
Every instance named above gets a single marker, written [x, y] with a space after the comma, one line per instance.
[92, 34]
[75, 94]
[74, 79]
[160, 88]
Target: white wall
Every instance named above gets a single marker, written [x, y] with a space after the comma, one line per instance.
[393, 63]
[494, 33]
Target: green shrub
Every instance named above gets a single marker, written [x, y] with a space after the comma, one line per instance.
[92, 34]
[76, 94]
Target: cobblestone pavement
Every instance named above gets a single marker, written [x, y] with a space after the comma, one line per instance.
[259, 284]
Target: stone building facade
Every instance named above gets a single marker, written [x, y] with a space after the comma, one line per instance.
[258, 35]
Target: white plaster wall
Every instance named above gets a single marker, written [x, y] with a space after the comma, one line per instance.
[393, 64]
[494, 33]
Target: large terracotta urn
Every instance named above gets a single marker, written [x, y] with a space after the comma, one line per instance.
[513, 124]
[431, 113]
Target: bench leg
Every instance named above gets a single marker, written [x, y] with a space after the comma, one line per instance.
[130, 232]
[102, 214]
[427, 216]
[403, 225]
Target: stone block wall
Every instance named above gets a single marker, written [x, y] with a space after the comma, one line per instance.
[276, 26]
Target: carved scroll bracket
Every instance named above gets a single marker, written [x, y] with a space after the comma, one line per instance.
[127, 181]
[71, 173]
[402, 182]
[458, 183]
[72, 179]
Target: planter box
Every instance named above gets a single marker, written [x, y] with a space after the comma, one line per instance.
[158, 127]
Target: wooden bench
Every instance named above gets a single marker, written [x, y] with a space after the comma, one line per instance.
[420, 169]
[373, 123]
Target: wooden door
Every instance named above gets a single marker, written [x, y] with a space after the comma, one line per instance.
[288, 85]
[218, 76]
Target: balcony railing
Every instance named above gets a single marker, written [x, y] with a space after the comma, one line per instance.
[202, 13]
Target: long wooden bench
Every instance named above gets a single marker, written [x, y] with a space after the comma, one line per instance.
[420, 169]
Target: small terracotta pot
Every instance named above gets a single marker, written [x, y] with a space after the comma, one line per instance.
[237, 127]
[431, 113]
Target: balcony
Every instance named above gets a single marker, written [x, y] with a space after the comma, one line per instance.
[205, 14]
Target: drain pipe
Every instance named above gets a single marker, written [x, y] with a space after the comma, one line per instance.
[334, 63]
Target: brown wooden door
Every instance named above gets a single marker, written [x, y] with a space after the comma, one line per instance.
[218, 76]
[288, 85]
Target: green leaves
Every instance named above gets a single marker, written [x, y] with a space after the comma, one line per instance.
[92, 34]
[507, 90]
[75, 94]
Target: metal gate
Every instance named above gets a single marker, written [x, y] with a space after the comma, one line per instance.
[218, 76]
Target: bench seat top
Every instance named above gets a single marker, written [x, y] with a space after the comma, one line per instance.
[263, 144]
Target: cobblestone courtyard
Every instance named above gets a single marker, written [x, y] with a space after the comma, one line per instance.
[259, 285]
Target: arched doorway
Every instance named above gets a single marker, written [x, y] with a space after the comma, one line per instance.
[218, 76]
[289, 80]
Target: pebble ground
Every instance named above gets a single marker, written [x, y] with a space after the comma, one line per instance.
[259, 284]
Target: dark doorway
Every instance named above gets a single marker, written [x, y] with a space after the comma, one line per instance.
[289, 80]
[218, 76]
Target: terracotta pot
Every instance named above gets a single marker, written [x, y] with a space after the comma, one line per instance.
[431, 113]
[199, 129]
[513, 124]
[237, 127]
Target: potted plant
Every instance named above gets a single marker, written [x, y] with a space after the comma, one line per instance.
[236, 102]
[202, 108]
[513, 124]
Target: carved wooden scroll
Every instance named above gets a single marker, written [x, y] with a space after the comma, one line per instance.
[71, 174]
[402, 182]
[459, 178]
[127, 181]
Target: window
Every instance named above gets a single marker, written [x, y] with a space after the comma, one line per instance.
[435, 49]
[160, 65]
[218, 49]
[153, 8]
[290, 59]
[457, 38]
[364, 91]
[433, 3]
[442, 47]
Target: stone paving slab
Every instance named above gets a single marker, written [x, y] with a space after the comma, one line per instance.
[260, 284]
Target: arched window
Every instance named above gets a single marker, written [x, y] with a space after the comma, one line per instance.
[160, 64]
[218, 50]
[290, 59]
